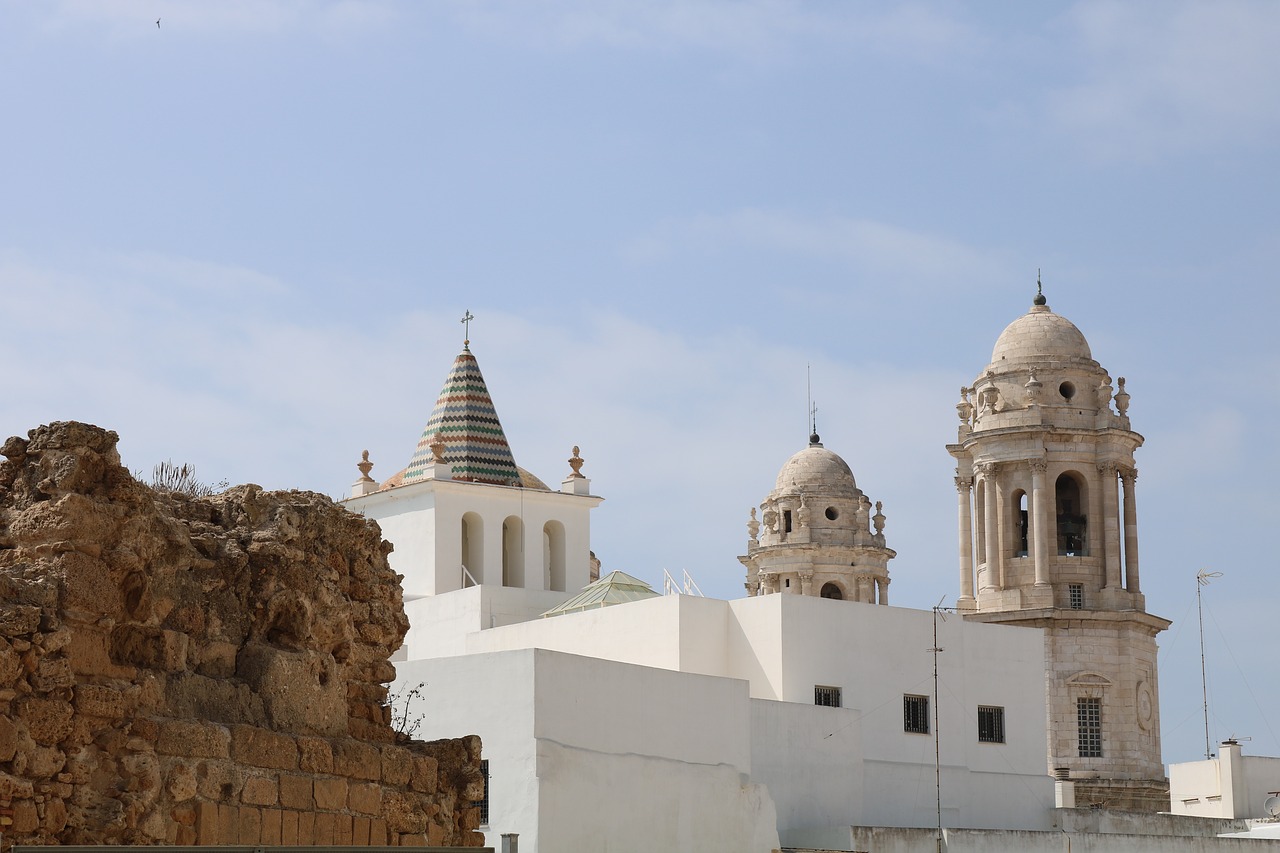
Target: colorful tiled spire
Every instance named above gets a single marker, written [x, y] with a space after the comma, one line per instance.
[476, 449]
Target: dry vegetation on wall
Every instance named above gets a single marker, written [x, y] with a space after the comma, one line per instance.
[202, 670]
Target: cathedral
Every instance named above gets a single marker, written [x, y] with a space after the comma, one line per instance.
[1050, 691]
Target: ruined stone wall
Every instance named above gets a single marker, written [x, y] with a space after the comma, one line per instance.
[202, 670]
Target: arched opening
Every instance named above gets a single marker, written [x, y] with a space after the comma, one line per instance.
[1073, 532]
[1021, 523]
[512, 552]
[980, 514]
[472, 550]
[830, 590]
[553, 556]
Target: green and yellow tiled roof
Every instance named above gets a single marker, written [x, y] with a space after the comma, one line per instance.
[466, 421]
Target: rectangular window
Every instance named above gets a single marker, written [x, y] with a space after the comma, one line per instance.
[990, 724]
[1076, 593]
[915, 714]
[1089, 723]
[828, 696]
[483, 803]
[786, 521]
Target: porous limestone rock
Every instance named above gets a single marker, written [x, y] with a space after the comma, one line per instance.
[202, 670]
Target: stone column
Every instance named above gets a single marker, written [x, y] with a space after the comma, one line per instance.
[806, 583]
[990, 495]
[866, 591]
[882, 584]
[1110, 523]
[1040, 528]
[964, 490]
[1128, 477]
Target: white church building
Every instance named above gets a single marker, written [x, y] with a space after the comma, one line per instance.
[808, 711]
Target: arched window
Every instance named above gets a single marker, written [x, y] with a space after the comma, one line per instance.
[1020, 523]
[1073, 530]
[513, 552]
[472, 549]
[553, 556]
[830, 590]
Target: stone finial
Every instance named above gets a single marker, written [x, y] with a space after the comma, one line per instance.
[964, 409]
[771, 520]
[437, 449]
[753, 526]
[365, 467]
[1039, 298]
[878, 518]
[593, 561]
[803, 513]
[575, 462]
[1104, 393]
[1033, 387]
[1122, 399]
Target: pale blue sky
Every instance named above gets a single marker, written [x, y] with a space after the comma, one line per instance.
[244, 239]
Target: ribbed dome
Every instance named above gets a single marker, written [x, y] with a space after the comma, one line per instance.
[1038, 334]
[817, 469]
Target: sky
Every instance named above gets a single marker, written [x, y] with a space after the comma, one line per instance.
[244, 238]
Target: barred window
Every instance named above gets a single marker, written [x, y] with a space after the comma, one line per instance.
[990, 724]
[483, 802]
[1076, 593]
[915, 714]
[828, 696]
[1089, 723]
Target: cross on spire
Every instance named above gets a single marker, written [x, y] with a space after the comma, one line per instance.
[466, 325]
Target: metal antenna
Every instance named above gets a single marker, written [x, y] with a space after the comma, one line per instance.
[937, 716]
[813, 410]
[1203, 579]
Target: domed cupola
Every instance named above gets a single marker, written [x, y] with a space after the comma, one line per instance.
[816, 534]
[1041, 371]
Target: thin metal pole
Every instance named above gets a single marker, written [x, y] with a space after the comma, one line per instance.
[1202, 579]
[937, 735]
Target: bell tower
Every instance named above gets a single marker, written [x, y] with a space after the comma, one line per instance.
[1048, 534]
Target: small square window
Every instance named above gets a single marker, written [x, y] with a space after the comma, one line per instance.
[827, 696]
[1075, 593]
[915, 714]
[990, 724]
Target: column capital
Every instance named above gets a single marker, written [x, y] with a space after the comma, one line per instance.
[1038, 466]
[1129, 475]
[1107, 469]
[987, 469]
[963, 484]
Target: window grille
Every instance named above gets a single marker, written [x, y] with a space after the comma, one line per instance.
[827, 696]
[915, 714]
[1076, 593]
[1089, 723]
[990, 724]
[483, 802]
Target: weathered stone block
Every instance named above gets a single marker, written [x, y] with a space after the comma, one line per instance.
[330, 793]
[365, 798]
[193, 739]
[306, 828]
[271, 827]
[357, 760]
[99, 701]
[149, 647]
[324, 831]
[48, 720]
[8, 738]
[342, 829]
[249, 821]
[263, 748]
[425, 778]
[315, 755]
[260, 791]
[397, 765]
[295, 792]
[289, 828]
[360, 831]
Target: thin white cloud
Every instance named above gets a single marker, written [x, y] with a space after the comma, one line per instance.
[136, 18]
[1167, 77]
[915, 31]
[875, 248]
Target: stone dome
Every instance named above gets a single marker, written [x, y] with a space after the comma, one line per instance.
[1040, 334]
[819, 470]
